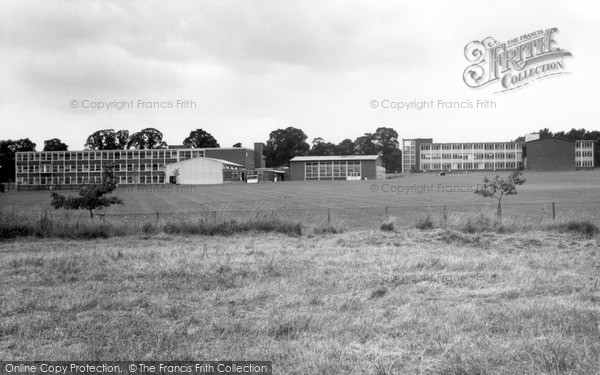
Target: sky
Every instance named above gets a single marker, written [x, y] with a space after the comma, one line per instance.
[241, 69]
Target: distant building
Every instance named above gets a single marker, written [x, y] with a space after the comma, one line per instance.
[200, 171]
[411, 153]
[344, 167]
[66, 168]
[584, 154]
[469, 156]
[554, 154]
[532, 137]
[535, 154]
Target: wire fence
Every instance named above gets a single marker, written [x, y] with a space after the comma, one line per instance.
[364, 217]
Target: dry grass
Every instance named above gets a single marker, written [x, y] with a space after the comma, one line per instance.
[364, 302]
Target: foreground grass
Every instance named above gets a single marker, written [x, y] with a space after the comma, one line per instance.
[436, 301]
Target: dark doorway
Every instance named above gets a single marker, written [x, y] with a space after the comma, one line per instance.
[172, 179]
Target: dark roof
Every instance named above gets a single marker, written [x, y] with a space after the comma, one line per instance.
[558, 139]
[335, 157]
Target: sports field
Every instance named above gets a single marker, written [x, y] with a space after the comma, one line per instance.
[354, 203]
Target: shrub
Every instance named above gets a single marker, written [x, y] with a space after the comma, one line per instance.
[582, 227]
[478, 224]
[425, 222]
[388, 225]
[328, 228]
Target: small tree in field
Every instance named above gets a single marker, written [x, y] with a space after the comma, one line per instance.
[91, 197]
[499, 187]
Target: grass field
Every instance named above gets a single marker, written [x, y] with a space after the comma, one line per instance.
[515, 298]
[359, 204]
[363, 302]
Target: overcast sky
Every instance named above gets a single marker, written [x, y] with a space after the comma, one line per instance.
[255, 66]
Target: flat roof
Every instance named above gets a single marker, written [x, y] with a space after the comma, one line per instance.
[335, 157]
[205, 158]
[151, 149]
[556, 138]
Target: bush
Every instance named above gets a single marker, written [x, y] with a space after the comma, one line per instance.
[327, 228]
[425, 222]
[479, 224]
[388, 225]
[582, 227]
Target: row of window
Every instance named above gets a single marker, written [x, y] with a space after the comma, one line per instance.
[332, 170]
[584, 144]
[470, 166]
[472, 146]
[584, 163]
[79, 180]
[585, 154]
[473, 156]
[109, 155]
[67, 168]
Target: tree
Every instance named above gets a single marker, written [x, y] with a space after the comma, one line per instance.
[93, 197]
[122, 139]
[366, 145]
[322, 148]
[8, 149]
[499, 187]
[346, 147]
[55, 144]
[283, 145]
[201, 139]
[107, 139]
[237, 145]
[545, 133]
[387, 143]
[147, 139]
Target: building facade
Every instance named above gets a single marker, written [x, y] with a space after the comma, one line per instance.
[536, 154]
[550, 154]
[199, 171]
[470, 156]
[584, 154]
[60, 168]
[344, 167]
[411, 153]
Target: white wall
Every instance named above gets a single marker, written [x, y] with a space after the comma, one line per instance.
[198, 171]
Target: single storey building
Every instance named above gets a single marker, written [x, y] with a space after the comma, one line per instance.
[337, 167]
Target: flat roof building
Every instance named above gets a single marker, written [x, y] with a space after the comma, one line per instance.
[537, 154]
[337, 167]
[59, 168]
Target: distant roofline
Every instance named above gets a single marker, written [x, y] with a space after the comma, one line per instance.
[468, 143]
[335, 157]
[205, 158]
[150, 149]
[560, 139]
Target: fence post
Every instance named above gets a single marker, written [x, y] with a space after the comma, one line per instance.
[445, 214]
[386, 212]
[553, 211]
[157, 215]
[328, 215]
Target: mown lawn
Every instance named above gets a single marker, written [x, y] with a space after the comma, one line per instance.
[357, 204]
[363, 302]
